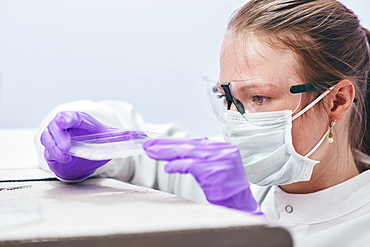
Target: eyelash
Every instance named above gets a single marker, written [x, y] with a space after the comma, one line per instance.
[258, 98]
[254, 98]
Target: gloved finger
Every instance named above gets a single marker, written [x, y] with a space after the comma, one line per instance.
[179, 165]
[66, 119]
[50, 158]
[60, 136]
[203, 171]
[78, 122]
[70, 123]
[179, 148]
[172, 148]
[58, 129]
[175, 141]
[73, 119]
[52, 151]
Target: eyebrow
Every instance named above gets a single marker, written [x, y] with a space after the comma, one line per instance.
[266, 82]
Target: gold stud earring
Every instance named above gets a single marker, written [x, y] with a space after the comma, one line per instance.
[330, 135]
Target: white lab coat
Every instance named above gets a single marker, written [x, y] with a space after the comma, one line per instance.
[337, 216]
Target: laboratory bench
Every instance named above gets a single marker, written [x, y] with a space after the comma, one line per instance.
[38, 210]
[107, 212]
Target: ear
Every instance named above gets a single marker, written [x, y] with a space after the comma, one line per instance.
[341, 99]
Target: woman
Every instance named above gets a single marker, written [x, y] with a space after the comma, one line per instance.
[292, 95]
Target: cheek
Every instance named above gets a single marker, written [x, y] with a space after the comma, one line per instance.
[307, 131]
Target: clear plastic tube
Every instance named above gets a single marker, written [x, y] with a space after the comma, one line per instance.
[110, 145]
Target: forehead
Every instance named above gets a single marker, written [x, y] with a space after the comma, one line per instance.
[247, 56]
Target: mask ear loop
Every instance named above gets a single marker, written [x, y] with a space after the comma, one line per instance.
[314, 102]
[306, 109]
[327, 134]
[317, 145]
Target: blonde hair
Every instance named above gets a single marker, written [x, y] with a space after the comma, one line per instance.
[329, 42]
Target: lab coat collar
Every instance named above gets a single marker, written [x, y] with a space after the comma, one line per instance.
[324, 205]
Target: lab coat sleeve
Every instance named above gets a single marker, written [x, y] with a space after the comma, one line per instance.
[140, 169]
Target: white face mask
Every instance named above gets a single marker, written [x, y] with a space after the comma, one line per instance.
[265, 143]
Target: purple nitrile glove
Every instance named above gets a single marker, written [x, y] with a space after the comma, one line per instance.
[217, 167]
[56, 139]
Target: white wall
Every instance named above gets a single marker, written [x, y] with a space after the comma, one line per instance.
[151, 53]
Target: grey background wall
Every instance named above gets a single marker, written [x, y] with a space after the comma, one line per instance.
[151, 53]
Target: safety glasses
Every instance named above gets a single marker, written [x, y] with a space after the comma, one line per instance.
[264, 94]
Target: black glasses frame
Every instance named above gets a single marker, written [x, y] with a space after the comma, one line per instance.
[231, 99]
[304, 88]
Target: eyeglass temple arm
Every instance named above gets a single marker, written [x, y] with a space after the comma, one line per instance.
[303, 88]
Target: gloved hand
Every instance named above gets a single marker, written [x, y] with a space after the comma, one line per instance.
[56, 139]
[217, 167]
